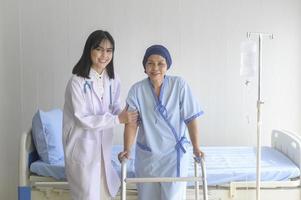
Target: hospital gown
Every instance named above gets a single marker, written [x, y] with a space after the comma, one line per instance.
[162, 136]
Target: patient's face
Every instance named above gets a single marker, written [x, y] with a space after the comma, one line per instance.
[156, 68]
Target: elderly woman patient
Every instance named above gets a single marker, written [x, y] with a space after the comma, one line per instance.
[166, 108]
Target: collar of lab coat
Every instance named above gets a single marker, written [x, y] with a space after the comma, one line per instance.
[94, 77]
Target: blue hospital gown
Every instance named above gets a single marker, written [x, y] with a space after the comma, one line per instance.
[162, 136]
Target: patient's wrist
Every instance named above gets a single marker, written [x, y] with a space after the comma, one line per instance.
[126, 150]
[196, 148]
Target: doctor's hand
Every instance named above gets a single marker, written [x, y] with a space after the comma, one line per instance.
[123, 155]
[126, 117]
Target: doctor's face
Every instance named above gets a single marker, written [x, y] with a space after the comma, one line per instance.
[102, 55]
[156, 68]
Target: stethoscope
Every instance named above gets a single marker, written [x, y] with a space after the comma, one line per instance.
[89, 85]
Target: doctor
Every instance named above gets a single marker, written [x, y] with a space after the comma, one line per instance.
[91, 110]
[166, 109]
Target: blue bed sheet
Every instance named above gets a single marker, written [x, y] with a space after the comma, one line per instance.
[226, 164]
[223, 165]
[57, 171]
[42, 168]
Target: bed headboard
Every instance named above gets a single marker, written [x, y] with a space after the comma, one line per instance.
[28, 154]
[288, 143]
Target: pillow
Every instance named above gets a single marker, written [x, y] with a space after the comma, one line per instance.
[47, 135]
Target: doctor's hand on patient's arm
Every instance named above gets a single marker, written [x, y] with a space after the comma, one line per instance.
[126, 117]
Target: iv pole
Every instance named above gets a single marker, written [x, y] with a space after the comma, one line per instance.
[259, 104]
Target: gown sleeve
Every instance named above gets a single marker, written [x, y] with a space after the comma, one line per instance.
[132, 100]
[189, 106]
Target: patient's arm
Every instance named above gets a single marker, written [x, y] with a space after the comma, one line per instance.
[130, 131]
[194, 137]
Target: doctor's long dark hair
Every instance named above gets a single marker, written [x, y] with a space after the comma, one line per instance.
[82, 68]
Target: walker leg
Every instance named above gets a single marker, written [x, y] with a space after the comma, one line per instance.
[123, 180]
[204, 179]
[196, 184]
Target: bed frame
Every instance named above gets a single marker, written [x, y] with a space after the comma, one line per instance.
[290, 145]
[34, 187]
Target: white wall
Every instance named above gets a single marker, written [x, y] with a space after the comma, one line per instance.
[203, 37]
[10, 98]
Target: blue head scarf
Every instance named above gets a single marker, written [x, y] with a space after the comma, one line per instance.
[157, 50]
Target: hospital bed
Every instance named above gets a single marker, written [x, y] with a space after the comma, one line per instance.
[226, 181]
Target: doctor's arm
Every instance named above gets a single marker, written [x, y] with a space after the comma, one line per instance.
[194, 137]
[130, 132]
[88, 120]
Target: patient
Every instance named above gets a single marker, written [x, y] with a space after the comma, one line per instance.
[166, 108]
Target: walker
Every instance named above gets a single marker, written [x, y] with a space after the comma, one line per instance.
[197, 161]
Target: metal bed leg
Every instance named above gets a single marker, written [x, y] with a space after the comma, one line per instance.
[24, 193]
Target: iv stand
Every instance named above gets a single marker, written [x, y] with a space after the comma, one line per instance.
[260, 102]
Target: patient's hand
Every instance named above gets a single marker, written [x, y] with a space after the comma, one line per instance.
[198, 153]
[123, 155]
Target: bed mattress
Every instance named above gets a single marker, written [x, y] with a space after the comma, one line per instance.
[223, 165]
[227, 164]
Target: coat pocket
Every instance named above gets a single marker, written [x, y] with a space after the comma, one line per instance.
[84, 151]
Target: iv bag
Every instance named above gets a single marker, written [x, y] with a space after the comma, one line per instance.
[248, 59]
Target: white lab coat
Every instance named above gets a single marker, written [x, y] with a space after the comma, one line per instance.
[88, 123]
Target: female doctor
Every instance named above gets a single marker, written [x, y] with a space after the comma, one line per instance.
[166, 109]
[91, 110]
